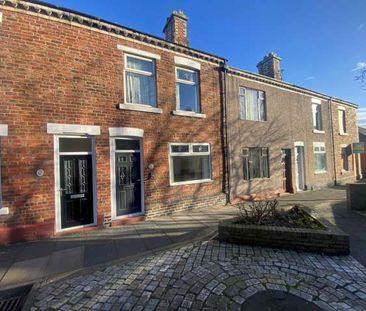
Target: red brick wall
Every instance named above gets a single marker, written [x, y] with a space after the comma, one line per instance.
[54, 72]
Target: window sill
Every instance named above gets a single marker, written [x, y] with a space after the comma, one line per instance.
[318, 132]
[343, 134]
[188, 114]
[320, 172]
[141, 108]
[201, 181]
[4, 211]
[343, 172]
[257, 179]
[246, 120]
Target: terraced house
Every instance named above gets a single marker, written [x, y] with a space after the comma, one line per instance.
[284, 138]
[104, 125]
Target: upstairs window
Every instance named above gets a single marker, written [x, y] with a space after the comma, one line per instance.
[320, 157]
[255, 163]
[189, 163]
[188, 90]
[317, 117]
[252, 104]
[342, 121]
[140, 80]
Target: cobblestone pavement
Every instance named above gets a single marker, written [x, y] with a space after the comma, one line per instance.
[210, 276]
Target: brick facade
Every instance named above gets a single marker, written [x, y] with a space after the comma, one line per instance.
[289, 120]
[57, 72]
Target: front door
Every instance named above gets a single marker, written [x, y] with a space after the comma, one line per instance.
[286, 170]
[300, 174]
[128, 183]
[76, 181]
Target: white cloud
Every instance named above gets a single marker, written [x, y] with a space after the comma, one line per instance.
[361, 26]
[310, 78]
[360, 66]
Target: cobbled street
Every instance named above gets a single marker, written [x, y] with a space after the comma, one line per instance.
[210, 276]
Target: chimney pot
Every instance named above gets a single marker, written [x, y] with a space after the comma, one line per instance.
[270, 66]
[175, 29]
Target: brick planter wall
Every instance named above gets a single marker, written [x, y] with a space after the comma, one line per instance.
[330, 242]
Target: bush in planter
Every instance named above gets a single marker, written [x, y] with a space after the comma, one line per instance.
[258, 211]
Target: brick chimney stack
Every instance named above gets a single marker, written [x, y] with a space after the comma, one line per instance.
[175, 29]
[270, 66]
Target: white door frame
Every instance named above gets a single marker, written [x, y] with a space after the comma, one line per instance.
[299, 144]
[125, 134]
[57, 155]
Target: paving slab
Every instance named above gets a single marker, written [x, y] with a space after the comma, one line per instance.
[63, 261]
[25, 271]
[97, 253]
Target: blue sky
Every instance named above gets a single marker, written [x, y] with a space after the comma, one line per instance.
[321, 42]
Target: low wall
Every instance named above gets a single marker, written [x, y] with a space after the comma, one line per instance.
[328, 241]
[356, 196]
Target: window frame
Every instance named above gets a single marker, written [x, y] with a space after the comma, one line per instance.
[190, 153]
[197, 84]
[320, 145]
[345, 157]
[342, 121]
[246, 162]
[258, 110]
[315, 113]
[140, 72]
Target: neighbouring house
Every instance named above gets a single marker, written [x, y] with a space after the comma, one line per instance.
[362, 139]
[102, 125]
[285, 138]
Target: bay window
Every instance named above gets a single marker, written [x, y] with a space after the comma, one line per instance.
[140, 80]
[320, 157]
[255, 163]
[189, 163]
[252, 104]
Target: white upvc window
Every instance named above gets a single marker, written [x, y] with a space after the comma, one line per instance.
[252, 104]
[140, 80]
[320, 157]
[188, 93]
[342, 121]
[317, 117]
[189, 163]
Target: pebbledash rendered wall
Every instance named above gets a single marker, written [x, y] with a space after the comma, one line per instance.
[54, 70]
[289, 120]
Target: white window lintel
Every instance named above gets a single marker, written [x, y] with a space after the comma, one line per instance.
[341, 108]
[299, 144]
[3, 130]
[59, 129]
[138, 52]
[316, 101]
[186, 62]
[126, 131]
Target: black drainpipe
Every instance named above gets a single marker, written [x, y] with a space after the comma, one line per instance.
[224, 135]
[332, 139]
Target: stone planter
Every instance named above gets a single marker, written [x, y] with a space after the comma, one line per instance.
[329, 241]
